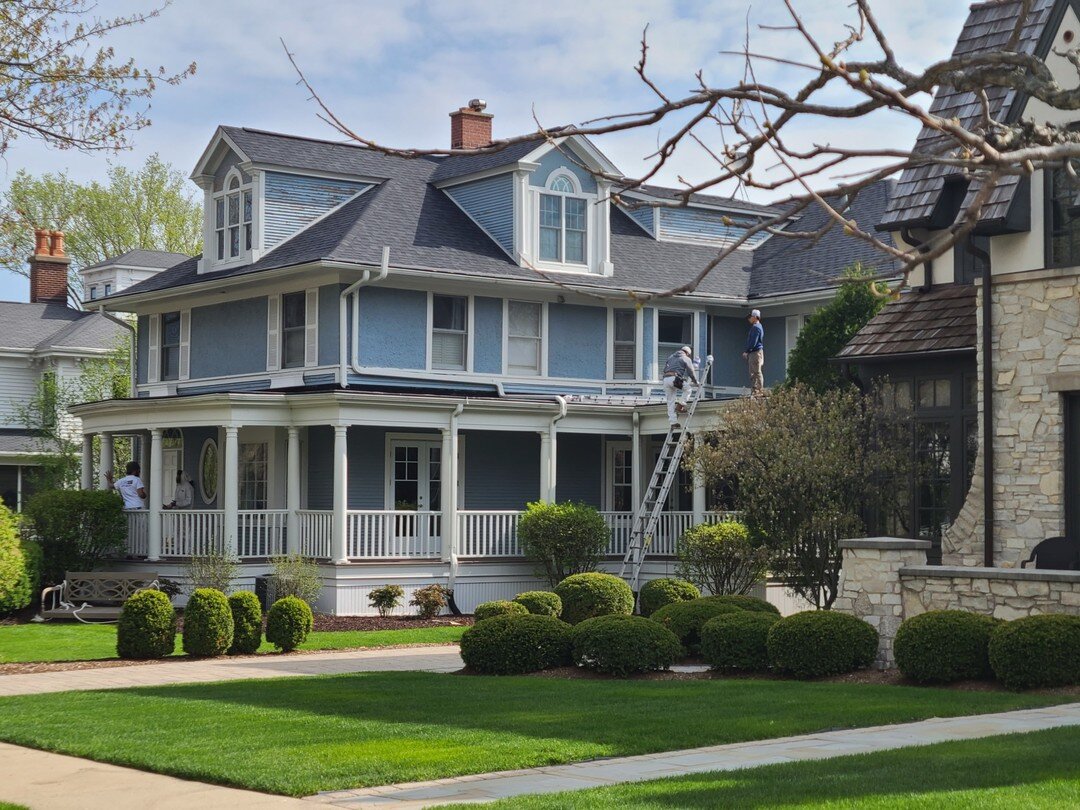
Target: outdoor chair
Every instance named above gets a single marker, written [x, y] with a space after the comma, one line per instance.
[1059, 553]
[93, 596]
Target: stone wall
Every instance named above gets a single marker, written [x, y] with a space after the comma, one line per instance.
[1036, 337]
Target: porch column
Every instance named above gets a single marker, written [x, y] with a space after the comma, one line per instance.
[144, 455]
[86, 480]
[106, 464]
[231, 495]
[448, 492]
[292, 494]
[699, 493]
[338, 543]
[547, 480]
[154, 495]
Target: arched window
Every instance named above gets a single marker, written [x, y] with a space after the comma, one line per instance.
[232, 219]
[563, 220]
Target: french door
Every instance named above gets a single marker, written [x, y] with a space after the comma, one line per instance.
[415, 496]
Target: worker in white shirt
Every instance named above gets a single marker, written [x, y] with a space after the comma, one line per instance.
[184, 494]
[130, 487]
[677, 370]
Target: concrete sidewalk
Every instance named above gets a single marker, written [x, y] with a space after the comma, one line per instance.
[425, 659]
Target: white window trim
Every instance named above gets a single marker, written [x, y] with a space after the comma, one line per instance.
[470, 332]
[610, 448]
[638, 353]
[245, 255]
[206, 498]
[591, 223]
[396, 439]
[542, 372]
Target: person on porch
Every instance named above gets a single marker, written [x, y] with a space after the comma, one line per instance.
[184, 494]
[755, 353]
[131, 487]
[677, 369]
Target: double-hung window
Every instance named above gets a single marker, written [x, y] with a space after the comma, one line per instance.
[170, 346]
[524, 338]
[624, 348]
[93, 293]
[108, 290]
[563, 223]
[232, 220]
[449, 331]
[674, 331]
[293, 328]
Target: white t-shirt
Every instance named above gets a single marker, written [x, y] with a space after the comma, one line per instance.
[184, 495]
[129, 487]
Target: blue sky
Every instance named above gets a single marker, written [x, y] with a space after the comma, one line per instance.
[394, 70]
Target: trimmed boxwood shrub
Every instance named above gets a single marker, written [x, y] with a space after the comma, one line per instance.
[513, 645]
[816, 643]
[540, 603]
[685, 619]
[208, 623]
[656, 593]
[288, 623]
[1037, 651]
[624, 645]
[584, 596]
[147, 627]
[751, 603]
[738, 641]
[943, 646]
[247, 623]
[489, 610]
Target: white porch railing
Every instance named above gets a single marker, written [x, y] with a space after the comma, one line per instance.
[192, 532]
[316, 529]
[386, 533]
[488, 533]
[138, 533]
[261, 532]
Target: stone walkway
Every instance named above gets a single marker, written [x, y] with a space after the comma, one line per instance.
[490, 786]
[426, 659]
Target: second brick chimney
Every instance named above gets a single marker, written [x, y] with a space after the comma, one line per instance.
[49, 269]
[470, 127]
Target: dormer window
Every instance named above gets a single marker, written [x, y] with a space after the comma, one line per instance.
[232, 220]
[563, 221]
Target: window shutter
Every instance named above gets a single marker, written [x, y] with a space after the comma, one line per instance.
[185, 344]
[311, 328]
[273, 327]
[153, 355]
[793, 324]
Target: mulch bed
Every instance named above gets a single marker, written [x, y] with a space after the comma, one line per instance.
[331, 623]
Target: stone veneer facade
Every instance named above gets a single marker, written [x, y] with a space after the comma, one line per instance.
[1036, 341]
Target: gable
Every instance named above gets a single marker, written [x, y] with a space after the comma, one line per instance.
[490, 203]
[291, 202]
[558, 159]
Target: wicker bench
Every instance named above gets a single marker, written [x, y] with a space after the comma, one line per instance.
[92, 595]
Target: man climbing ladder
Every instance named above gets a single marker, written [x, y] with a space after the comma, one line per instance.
[678, 368]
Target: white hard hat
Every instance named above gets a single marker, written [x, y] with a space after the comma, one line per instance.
[687, 351]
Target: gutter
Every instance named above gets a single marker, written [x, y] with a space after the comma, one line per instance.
[987, 406]
[343, 321]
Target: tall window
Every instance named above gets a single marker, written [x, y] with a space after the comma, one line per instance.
[93, 293]
[624, 350]
[524, 338]
[253, 475]
[170, 346]
[673, 332]
[563, 223]
[232, 220]
[449, 331]
[108, 290]
[293, 326]
[622, 480]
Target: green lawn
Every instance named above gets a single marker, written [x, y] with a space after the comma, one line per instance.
[303, 735]
[90, 642]
[1037, 770]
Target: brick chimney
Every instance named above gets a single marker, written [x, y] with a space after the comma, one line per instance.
[470, 127]
[49, 268]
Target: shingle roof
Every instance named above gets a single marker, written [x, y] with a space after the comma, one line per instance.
[461, 165]
[156, 259]
[19, 442]
[41, 326]
[941, 319]
[665, 193]
[988, 28]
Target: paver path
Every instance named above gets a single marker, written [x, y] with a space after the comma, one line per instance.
[426, 659]
[490, 786]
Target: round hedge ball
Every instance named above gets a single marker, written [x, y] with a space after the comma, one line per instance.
[816, 643]
[288, 623]
[656, 593]
[743, 602]
[514, 645]
[247, 623]
[685, 619]
[624, 645]
[147, 626]
[943, 646]
[541, 603]
[208, 623]
[587, 595]
[738, 641]
[488, 610]
[1037, 651]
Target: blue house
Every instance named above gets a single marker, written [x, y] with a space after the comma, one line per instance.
[377, 361]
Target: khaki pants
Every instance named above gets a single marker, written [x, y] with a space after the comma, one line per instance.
[755, 361]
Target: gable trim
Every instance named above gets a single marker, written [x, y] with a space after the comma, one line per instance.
[218, 137]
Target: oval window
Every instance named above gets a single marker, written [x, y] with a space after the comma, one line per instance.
[208, 471]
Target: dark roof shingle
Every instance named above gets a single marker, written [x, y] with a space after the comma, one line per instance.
[41, 326]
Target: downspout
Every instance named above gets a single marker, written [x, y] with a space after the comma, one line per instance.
[987, 406]
[343, 317]
[452, 575]
[552, 432]
[928, 267]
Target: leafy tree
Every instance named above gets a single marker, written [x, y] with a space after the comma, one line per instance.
[812, 468]
[830, 328]
[149, 207]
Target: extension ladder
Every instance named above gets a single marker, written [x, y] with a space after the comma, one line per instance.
[664, 474]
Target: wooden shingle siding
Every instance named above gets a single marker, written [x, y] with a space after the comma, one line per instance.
[703, 226]
[293, 201]
[490, 203]
[20, 387]
[643, 217]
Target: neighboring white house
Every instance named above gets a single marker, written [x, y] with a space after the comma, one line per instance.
[126, 270]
